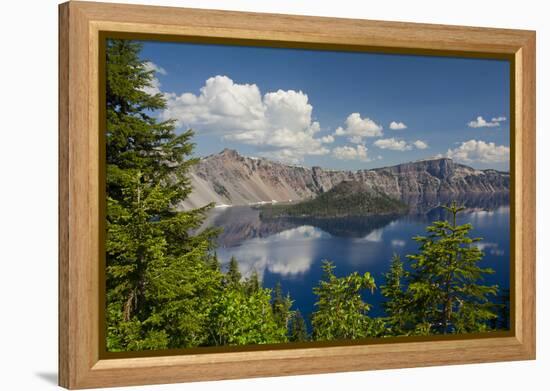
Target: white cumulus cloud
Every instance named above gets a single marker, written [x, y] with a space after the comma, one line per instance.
[419, 144]
[397, 125]
[280, 122]
[480, 151]
[327, 139]
[359, 152]
[392, 144]
[480, 122]
[357, 128]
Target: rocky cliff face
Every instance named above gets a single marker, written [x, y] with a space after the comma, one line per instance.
[228, 178]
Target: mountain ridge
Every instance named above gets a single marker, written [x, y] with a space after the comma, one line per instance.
[229, 178]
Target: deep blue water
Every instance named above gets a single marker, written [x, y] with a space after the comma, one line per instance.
[291, 251]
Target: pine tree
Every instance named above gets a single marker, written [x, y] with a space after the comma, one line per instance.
[164, 284]
[281, 306]
[155, 268]
[445, 292]
[214, 262]
[233, 275]
[252, 284]
[394, 292]
[298, 329]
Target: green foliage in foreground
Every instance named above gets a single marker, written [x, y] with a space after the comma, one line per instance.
[165, 286]
[341, 312]
[241, 318]
[444, 292]
[396, 305]
[158, 283]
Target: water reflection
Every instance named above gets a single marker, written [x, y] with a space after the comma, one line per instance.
[241, 223]
[490, 248]
[286, 253]
[424, 203]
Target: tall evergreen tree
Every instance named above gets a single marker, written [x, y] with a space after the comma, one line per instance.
[281, 306]
[298, 329]
[214, 262]
[233, 275]
[394, 292]
[152, 258]
[252, 284]
[446, 294]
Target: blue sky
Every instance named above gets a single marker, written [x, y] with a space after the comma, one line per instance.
[334, 109]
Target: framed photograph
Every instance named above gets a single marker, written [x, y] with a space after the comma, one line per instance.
[246, 195]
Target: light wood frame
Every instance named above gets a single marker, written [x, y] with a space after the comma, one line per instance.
[80, 24]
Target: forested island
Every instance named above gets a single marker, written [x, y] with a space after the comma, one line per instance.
[348, 198]
[166, 288]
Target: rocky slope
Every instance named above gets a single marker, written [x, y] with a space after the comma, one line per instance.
[228, 178]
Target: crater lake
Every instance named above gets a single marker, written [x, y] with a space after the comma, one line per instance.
[291, 250]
